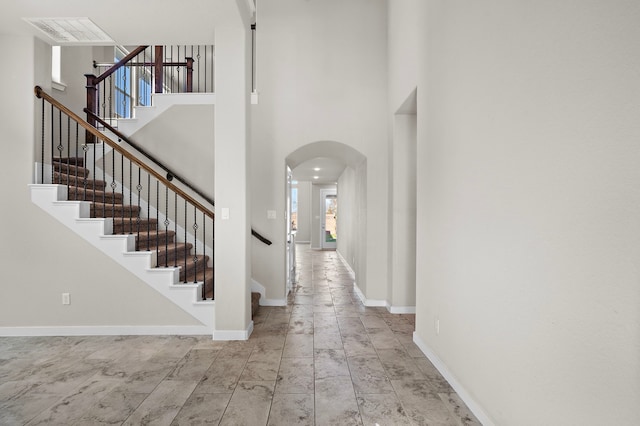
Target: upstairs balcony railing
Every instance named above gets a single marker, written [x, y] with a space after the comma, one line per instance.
[146, 70]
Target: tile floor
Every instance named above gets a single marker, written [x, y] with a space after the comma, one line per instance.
[323, 360]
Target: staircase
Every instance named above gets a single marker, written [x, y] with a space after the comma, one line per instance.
[127, 221]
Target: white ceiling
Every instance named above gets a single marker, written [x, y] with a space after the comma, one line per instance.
[130, 22]
[328, 170]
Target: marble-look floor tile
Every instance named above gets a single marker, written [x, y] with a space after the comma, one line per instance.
[72, 407]
[434, 377]
[193, 366]
[249, 404]
[295, 376]
[383, 339]
[114, 408]
[262, 366]
[222, 376]
[382, 409]
[327, 341]
[421, 403]
[460, 411]
[368, 375]
[163, 404]
[330, 363]
[335, 402]
[202, 409]
[292, 409]
[358, 345]
[399, 365]
[298, 345]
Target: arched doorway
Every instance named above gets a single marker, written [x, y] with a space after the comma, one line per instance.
[320, 176]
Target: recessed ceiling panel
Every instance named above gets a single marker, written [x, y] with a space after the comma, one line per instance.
[70, 30]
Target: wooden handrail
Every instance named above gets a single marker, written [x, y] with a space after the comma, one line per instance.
[41, 94]
[149, 156]
[135, 52]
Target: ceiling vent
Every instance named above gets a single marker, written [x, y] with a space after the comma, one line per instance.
[70, 30]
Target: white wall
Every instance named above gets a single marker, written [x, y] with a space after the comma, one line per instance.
[528, 205]
[321, 77]
[352, 220]
[303, 235]
[182, 138]
[40, 258]
[402, 259]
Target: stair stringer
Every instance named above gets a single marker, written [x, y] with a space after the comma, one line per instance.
[121, 248]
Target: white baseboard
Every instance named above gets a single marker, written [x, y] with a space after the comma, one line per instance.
[259, 288]
[473, 405]
[106, 330]
[401, 309]
[368, 302]
[346, 264]
[233, 334]
[273, 302]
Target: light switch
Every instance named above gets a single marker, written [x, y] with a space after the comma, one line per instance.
[271, 214]
[224, 212]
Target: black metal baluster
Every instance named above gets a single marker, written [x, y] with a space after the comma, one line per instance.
[85, 181]
[178, 69]
[105, 100]
[52, 139]
[69, 152]
[76, 156]
[198, 58]
[104, 179]
[93, 187]
[42, 148]
[139, 188]
[60, 149]
[195, 244]
[122, 188]
[171, 68]
[113, 183]
[204, 257]
[185, 241]
[166, 224]
[175, 229]
[148, 208]
[157, 219]
[130, 198]
[110, 100]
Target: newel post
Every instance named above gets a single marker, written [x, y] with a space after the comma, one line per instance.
[92, 104]
[159, 69]
[189, 88]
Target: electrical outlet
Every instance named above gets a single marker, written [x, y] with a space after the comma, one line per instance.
[437, 326]
[66, 300]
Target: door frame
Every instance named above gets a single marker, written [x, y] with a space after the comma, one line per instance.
[324, 245]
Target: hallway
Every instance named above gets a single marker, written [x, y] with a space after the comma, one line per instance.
[325, 359]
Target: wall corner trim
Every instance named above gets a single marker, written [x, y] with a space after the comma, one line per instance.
[368, 302]
[233, 334]
[401, 309]
[473, 405]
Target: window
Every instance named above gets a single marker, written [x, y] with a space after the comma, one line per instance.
[56, 65]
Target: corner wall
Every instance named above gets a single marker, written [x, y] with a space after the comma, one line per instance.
[528, 206]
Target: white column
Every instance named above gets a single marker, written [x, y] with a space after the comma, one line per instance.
[232, 227]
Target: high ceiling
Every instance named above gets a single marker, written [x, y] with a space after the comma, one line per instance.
[131, 22]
